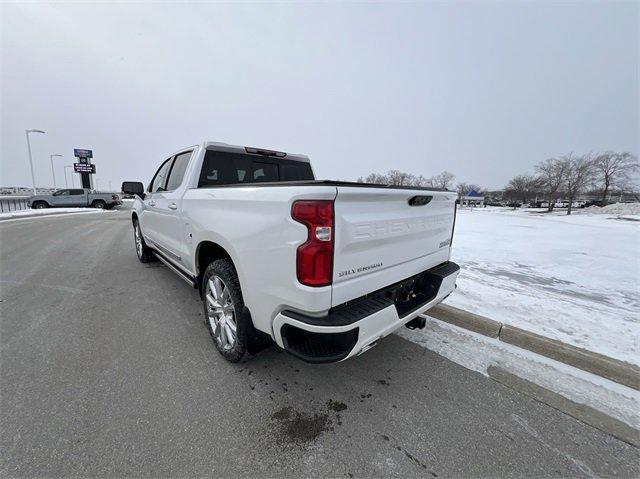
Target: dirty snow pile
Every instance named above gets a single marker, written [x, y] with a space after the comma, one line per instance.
[45, 212]
[620, 209]
[573, 278]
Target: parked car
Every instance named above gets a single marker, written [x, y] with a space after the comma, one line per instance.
[77, 197]
[323, 268]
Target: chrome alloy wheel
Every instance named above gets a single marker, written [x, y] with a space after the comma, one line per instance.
[221, 312]
[138, 237]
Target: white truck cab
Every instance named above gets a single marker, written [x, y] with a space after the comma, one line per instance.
[323, 268]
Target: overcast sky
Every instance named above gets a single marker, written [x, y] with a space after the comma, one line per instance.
[482, 90]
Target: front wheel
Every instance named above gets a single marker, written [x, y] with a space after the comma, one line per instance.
[144, 253]
[40, 205]
[224, 311]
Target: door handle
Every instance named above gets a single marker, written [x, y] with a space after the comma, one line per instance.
[173, 206]
[152, 203]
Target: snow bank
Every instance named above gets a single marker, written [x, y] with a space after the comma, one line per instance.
[478, 353]
[573, 278]
[45, 212]
[627, 209]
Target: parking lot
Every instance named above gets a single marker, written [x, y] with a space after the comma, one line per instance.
[108, 370]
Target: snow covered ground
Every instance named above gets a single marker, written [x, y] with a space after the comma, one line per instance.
[44, 212]
[573, 278]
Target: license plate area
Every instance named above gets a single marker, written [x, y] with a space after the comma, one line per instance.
[410, 294]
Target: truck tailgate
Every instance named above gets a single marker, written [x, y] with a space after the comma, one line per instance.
[384, 235]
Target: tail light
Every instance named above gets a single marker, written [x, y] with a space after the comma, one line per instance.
[314, 261]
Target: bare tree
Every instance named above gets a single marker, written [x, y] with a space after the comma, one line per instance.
[400, 178]
[444, 180]
[462, 189]
[578, 173]
[551, 175]
[375, 179]
[421, 181]
[519, 187]
[614, 169]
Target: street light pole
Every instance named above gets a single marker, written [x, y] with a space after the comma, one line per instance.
[53, 172]
[66, 185]
[33, 176]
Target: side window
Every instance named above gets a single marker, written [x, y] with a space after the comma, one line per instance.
[158, 181]
[177, 170]
[77, 192]
[61, 193]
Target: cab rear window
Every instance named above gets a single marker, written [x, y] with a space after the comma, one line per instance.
[222, 168]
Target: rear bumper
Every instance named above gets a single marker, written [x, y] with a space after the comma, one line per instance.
[352, 328]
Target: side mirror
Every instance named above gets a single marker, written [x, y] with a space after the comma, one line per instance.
[133, 188]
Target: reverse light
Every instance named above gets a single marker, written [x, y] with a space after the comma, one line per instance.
[314, 260]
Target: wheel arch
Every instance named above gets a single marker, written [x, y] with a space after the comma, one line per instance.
[206, 252]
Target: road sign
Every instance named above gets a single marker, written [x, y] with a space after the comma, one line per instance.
[81, 153]
[84, 168]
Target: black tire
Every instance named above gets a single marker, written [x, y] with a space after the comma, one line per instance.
[144, 253]
[39, 205]
[224, 269]
[100, 204]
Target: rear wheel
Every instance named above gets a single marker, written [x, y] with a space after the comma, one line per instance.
[39, 205]
[99, 204]
[225, 315]
[144, 253]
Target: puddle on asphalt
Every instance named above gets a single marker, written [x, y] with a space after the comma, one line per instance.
[300, 428]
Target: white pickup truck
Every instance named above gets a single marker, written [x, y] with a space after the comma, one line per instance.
[323, 268]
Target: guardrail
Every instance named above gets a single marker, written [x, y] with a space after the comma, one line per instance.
[13, 203]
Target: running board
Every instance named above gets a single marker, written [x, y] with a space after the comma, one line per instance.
[175, 269]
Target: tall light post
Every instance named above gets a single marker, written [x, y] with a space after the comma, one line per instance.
[33, 176]
[53, 172]
[66, 185]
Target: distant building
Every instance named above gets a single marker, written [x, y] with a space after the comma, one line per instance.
[472, 198]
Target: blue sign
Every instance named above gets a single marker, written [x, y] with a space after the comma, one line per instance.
[80, 153]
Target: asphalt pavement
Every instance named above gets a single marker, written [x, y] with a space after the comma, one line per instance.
[107, 369]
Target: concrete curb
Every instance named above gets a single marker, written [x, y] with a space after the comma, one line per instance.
[25, 217]
[473, 322]
[583, 413]
[604, 366]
